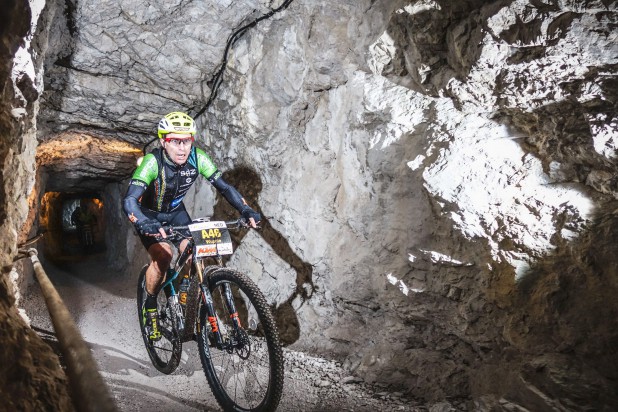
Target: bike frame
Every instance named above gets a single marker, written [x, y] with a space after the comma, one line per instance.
[189, 317]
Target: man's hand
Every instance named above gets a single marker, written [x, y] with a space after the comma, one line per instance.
[251, 216]
[150, 227]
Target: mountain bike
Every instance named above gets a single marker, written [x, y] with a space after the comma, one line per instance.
[225, 312]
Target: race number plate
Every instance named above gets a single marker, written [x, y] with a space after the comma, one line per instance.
[211, 239]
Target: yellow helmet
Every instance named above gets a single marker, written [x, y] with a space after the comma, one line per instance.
[176, 122]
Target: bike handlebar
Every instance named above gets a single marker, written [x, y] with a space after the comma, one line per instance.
[240, 223]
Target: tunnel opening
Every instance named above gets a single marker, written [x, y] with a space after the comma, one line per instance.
[81, 169]
[73, 224]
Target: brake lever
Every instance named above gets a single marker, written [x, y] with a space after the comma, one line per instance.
[244, 223]
[169, 231]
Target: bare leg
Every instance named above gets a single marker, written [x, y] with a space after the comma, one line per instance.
[161, 255]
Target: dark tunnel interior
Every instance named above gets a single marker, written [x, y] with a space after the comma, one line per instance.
[73, 225]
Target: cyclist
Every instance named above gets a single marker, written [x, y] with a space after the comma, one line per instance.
[84, 220]
[155, 194]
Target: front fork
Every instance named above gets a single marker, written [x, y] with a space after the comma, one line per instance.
[212, 315]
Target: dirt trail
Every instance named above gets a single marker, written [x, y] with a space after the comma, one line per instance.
[103, 306]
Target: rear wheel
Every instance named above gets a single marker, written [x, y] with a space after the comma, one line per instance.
[246, 373]
[164, 353]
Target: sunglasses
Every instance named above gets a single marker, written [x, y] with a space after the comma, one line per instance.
[179, 142]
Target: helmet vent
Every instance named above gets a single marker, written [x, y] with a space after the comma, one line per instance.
[176, 122]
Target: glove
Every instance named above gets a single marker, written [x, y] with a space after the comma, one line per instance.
[148, 227]
[247, 213]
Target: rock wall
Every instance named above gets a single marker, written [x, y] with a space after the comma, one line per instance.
[445, 170]
[441, 189]
[438, 176]
[31, 378]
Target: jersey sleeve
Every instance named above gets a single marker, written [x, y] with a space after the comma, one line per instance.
[147, 171]
[205, 166]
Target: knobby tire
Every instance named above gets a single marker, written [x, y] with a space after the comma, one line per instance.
[165, 353]
[247, 377]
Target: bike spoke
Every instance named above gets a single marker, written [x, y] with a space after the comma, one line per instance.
[164, 353]
[167, 334]
[242, 373]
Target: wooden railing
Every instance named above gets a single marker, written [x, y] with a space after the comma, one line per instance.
[89, 392]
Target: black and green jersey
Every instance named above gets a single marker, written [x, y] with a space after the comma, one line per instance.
[166, 183]
[158, 184]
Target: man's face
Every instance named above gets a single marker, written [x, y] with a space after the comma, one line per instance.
[177, 146]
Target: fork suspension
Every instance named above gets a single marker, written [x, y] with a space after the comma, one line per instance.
[229, 301]
[211, 315]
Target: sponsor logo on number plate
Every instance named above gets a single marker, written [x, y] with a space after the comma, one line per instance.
[206, 250]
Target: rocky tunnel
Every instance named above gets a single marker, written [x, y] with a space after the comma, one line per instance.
[75, 193]
[82, 178]
[409, 155]
[73, 225]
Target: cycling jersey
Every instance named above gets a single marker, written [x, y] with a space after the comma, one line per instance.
[158, 184]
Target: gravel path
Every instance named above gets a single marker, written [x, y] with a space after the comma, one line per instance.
[103, 306]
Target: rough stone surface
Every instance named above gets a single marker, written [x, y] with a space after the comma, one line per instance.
[31, 378]
[439, 176]
[85, 163]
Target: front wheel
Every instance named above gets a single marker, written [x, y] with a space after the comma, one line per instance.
[245, 373]
[164, 353]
